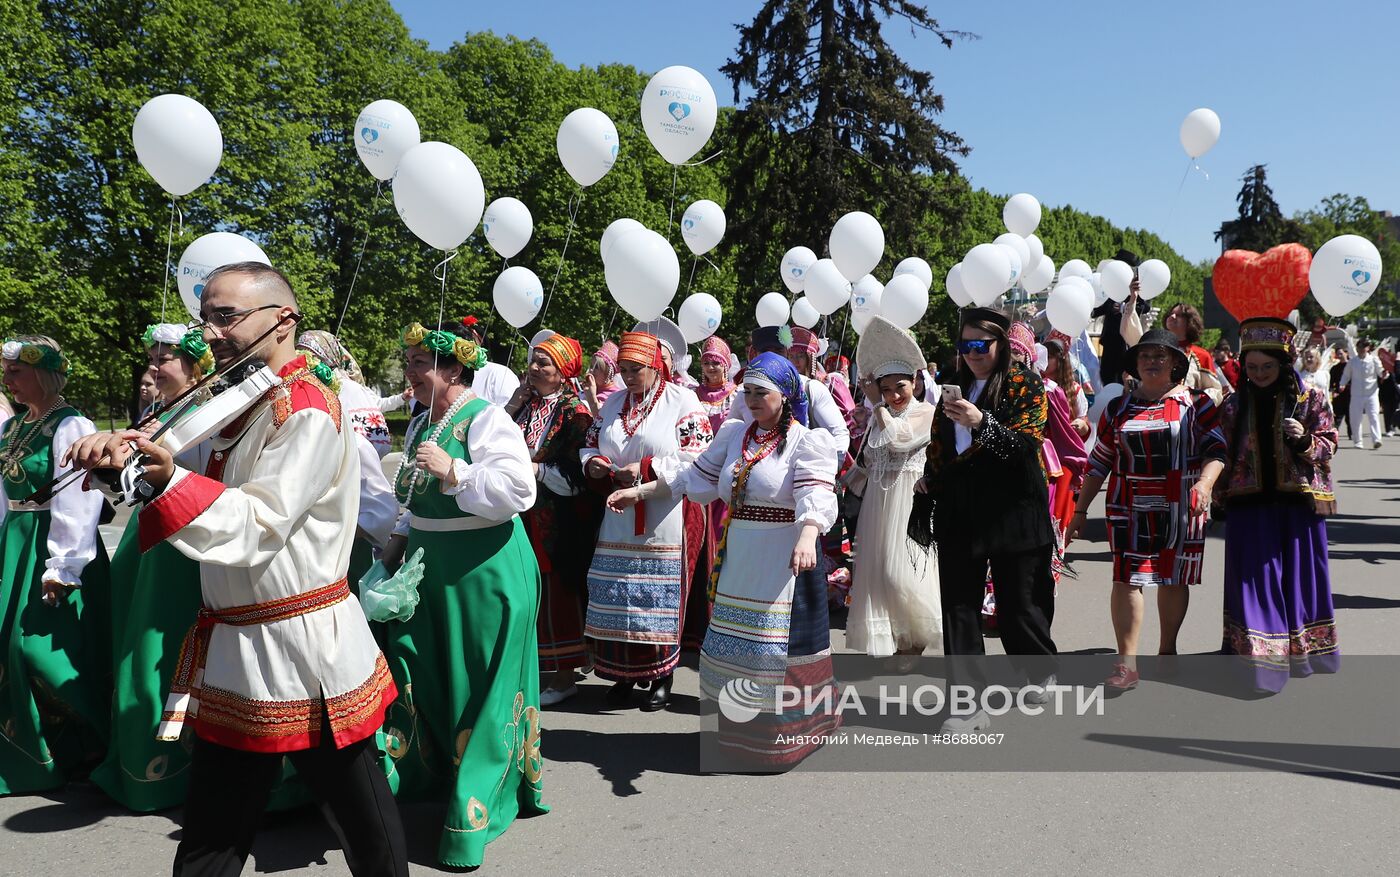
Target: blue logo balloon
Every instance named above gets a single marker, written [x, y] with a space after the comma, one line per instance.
[678, 110]
[369, 134]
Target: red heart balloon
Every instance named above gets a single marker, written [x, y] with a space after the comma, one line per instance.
[1262, 284]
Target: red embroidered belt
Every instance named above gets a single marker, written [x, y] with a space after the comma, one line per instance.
[766, 513]
[195, 649]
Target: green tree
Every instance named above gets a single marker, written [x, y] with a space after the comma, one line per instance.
[835, 121]
[1260, 223]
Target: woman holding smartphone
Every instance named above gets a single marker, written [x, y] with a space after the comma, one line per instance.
[990, 500]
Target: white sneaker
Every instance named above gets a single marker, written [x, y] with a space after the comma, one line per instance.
[552, 696]
[1359, 446]
[1041, 695]
[978, 721]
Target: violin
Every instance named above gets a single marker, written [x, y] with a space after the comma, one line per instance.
[185, 408]
[238, 392]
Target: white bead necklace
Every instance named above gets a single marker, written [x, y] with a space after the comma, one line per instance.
[438, 429]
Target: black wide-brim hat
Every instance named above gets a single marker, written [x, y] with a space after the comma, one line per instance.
[1156, 338]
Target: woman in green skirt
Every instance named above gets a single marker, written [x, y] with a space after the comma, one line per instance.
[55, 667]
[155, 598]
[467, 721]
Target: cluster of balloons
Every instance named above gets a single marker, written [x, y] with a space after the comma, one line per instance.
[824, 286]
[1015, 258]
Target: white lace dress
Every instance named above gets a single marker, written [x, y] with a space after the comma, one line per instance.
[895, 604]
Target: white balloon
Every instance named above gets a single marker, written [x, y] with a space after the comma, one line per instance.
[642, 273]
[1034, 250]
[905, 301]
[1101, 400]
[1039, 277]
[384, 131]
[702, 226]
[1021, 214]
[1117, 277]
[1068, 307]
[803, 314]
[587, 145]
[178, 142]
[956, 291]
[616, 229]
[1096, 285]
[918, 267]
[1199, 131]
[795, 265]
[866, 296]
[857, 244]
[678, 113]
[1344, 273]
[517, 295]
[1153, 278]
[507, 225]
[1075, 268]
[699, 317]
[985, 270]
[206, 253]
[1014, 259]
[1019, 245]
[827, 288]
[438, 194]
[772, 309]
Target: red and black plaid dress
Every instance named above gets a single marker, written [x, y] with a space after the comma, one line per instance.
[1151, 453]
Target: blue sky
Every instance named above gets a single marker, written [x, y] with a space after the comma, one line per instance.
[1076, 102]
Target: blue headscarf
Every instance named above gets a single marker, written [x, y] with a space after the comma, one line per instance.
[783, 375]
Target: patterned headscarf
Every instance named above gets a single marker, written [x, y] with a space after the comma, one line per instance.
[772, 370]
[566, 353]
[713, 349]
[1022, 341]
[641, 348]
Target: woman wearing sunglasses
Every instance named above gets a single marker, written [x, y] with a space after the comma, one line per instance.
[990, 500]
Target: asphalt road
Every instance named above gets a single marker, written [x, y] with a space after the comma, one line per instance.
[628, 798]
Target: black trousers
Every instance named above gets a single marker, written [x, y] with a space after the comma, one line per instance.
[229, 789]
[1025, 595]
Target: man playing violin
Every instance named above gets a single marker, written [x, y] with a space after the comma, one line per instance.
[281, 660]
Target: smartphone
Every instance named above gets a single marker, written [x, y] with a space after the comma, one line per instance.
[951, 392]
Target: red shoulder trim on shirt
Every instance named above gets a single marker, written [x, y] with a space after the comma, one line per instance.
[301, 390]
[174, 509]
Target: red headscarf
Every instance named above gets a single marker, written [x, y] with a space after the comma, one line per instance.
[566, 353]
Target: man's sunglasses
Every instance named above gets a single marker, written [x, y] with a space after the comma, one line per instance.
[975, 345]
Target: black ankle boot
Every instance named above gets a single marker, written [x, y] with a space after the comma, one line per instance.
[619, 695]
[660, 694]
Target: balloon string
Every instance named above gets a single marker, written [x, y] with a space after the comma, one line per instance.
[369, 228]
[1179, 186]
[169, 242]
[608, 331]
[442, 311]
[575, 202]
[841, 339]
[671, 211]
[703, 160]
[694, 263]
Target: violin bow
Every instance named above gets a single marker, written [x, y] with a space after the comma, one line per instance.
[185, 400]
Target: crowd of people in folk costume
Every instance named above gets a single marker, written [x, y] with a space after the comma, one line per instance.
[602, 516]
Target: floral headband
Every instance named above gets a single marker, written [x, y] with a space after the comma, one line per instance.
[190, 342]
[468, 353]
[37, 355]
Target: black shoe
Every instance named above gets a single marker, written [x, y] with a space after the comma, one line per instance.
[660, 694]
[620, 695]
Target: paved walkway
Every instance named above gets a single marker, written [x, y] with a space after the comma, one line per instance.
[628, 798]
